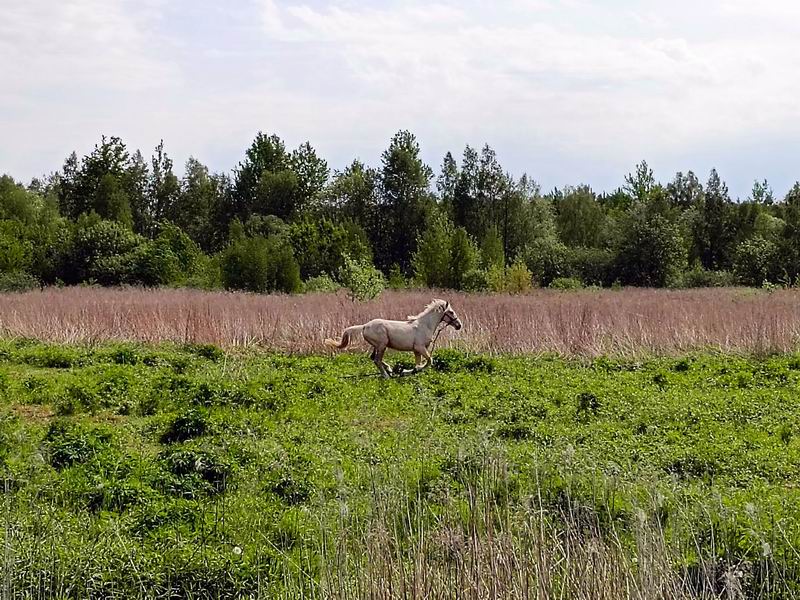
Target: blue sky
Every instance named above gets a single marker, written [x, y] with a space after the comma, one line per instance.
[570, 91]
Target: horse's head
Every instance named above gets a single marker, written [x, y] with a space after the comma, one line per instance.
[449, 317]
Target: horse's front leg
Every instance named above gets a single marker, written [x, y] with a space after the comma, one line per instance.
[422, 351]
[417, 361]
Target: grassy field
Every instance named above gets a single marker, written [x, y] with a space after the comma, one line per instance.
[186, 471]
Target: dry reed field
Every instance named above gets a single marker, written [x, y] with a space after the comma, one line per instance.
[586, 323]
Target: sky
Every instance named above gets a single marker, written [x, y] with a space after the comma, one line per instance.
[569, 91]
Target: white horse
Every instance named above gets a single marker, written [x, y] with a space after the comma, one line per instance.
[415, 334]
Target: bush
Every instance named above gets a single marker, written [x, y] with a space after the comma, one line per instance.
[323, 284]
[566, 283]
[475, 281]
[518, 279]
[260, 264]
[154, 264]
[496, 278]
[100, 251]
[591, 265]
[755, 260]
[698, 277]
[18, 281]
[362, 280]
[546, 258]
[397, 281]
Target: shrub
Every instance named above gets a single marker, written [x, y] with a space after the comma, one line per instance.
[475, 281]
[546, 258]
[321, 284]
[518, 278]
[18, 281]
[496, 278]
[698, 277]
[566, 283]
[591, 265]
[362, 280]
[755, 260]
[153, 264]
[196, 472]
[260, 264]
[397, 281]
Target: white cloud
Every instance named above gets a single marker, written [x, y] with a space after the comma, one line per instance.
[558, 87]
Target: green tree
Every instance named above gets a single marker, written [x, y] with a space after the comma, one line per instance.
[405, 200]
[361, 279]
[641, 183]
[267, 153]
[580, 218]
[464, 258]
[755, 261]
[652, 251]
[685, 191]
[446, 184]
[259, 264]
[109, 181]
[195, 204]
[715, 237]
[353, 195]
[492, 248]
[163, 189]
[431, 261]
[789, 243]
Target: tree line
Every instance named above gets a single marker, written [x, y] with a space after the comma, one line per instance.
[282, 221]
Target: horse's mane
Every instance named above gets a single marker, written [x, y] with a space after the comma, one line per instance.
[432, 305]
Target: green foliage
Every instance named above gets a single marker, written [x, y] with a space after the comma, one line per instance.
[431, 261]
[492, 248]
[320, 245]
[321, 284]
[260, 264]
[755, 261]
[592, 266]
[699, 277]
[70, 442]
[192, 423]
[114, 218]
[444, 255]
[362, 280]
[580, 218]
[404, 180]
[652, 252]
[566, 283]
[547, 259]
[19, 281]
[519, 279]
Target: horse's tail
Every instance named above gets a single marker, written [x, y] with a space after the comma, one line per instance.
[348, 333]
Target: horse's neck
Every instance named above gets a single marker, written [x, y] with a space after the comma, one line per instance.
[430, 321]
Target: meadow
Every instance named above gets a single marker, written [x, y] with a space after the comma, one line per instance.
[190, 471]
[594, 444]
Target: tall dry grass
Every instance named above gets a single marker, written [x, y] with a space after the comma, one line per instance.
[586, 323]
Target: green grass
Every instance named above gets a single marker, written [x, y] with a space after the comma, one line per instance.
[165, 471]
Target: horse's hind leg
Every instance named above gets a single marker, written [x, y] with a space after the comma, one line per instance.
[377, 357]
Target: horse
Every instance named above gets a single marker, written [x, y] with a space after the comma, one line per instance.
[415, 334]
